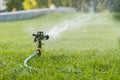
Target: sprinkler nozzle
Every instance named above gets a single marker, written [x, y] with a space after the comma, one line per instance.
[40, 36]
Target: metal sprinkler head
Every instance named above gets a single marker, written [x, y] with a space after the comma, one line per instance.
[40, 36]
[38, 39]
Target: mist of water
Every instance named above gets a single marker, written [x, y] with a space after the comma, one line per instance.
[73, 23]
[92, 8]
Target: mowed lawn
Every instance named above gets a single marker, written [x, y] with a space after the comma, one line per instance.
[88, 51]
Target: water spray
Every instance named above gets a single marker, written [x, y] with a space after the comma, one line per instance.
[37, 39]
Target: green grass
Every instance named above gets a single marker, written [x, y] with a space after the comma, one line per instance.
[90, 52]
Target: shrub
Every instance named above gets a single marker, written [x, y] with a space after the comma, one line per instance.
[11, 4]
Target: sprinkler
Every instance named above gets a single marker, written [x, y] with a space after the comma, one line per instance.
[37, 39]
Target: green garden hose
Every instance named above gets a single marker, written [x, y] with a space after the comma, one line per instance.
[30, 57]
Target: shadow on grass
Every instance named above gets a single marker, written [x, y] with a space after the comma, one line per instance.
[117, 16]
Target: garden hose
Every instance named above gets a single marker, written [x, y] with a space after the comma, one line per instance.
[30, 57]
[38, 53]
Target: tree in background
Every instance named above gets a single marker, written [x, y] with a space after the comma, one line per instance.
[80, 5]
[48, 3]
[57, 3]
[14, 4]
[30, 4]
[42, 3]
[114, 5]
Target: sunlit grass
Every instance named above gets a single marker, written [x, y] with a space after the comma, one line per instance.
[88, 52]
